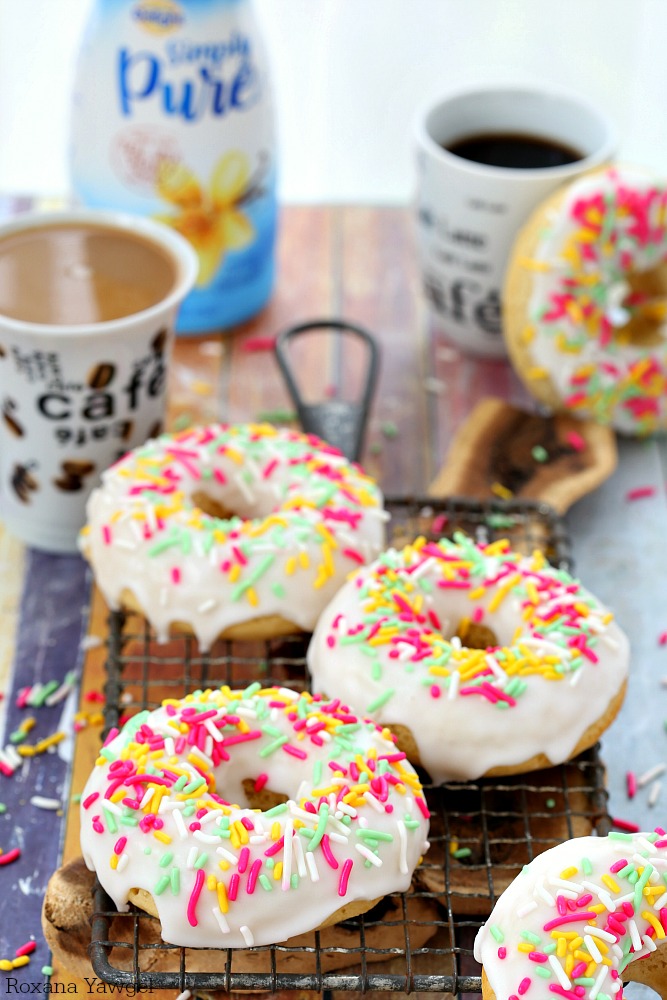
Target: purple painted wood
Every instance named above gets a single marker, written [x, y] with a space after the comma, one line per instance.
[54, 609]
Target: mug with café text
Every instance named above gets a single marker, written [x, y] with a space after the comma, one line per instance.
[88, 301]
[485, 159]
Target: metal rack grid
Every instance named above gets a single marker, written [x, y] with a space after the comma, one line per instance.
[482, 832]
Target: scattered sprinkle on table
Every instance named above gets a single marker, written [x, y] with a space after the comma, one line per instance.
[254, 344]
[640, 493]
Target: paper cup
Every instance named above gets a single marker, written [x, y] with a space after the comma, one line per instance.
[468, 213]
[75, 397]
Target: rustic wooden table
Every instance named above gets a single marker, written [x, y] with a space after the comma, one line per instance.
[357, 263]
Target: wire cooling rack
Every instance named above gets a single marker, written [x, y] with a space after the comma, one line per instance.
[482, 832]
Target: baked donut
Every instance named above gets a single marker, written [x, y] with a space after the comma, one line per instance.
[575, 919]
[241, 531]
[219, 872]
[483, 661]
[585, 303]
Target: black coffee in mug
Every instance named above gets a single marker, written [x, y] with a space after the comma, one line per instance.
[514, 149]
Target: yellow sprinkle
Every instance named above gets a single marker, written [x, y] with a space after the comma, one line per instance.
[114, 861]
[534, 373]
[534, 265]
[561, 948]
[6, 965]
[223, 901]
[18, 962]
[525, 946]
[611, 883]
[528, 334]
[654, 922]
[278, 871]
[162, 836]
[569, 872]
[501, 491]
[223, 865]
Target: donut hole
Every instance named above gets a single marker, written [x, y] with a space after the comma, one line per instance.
[476, 636]
[212, 507]
[263, 798]
[645, 300]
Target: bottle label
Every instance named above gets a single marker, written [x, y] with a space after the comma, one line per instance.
[172, 118]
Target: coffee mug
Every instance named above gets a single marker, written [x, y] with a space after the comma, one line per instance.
[88, 301]
[468, 212]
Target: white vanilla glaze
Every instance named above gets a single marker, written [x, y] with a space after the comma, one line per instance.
[304, 518]
[588, 908]
[388, 643]
[166, 802]
[610, 225]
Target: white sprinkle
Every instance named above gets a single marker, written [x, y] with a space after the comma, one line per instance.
[654, 794]
[43, 803]
[191, 858]
[300, 860]
[6, 761]
[196, 752]
[523, 911]
[346, 808]
[560, 972]
[185, 995]
[148, 795]
[247, 935]
[227, 855]
[593, 949]
[599, 980]
[220, 917]
[312, 867]
[213, 730]
[209, 817]
[453, 687]
[205, 838]
[373, 802]
[653, 772]
[59, 694]
[403, 854]
[112, 807]
[634, 935]
[287, 854]
[207, 605]
[124, 543]
[369, 855]
[337, 838]
[14, 758]
[543, 894]
[123, 862]
[599, 933]
[180, 824]
[659, 903]
[649, 943]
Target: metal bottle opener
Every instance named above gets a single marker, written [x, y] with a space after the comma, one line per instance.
[340, 422]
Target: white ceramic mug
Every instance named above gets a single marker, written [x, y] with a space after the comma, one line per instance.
[73, 398]
[468, 213]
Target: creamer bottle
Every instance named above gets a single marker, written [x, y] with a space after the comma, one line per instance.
[173, 118]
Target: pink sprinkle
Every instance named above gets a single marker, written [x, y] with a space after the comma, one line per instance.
[260, 781]
[423, 808]
[435, 691]
[625, 824]
[14, 855]
[502, 953]
[119, 846]
[233, 890]
[354, 556]
[244, 857]
[87, 803]
[294, 751]
[662, 639]
[617, 865]
[255, 344]
[640, 492]
[524, 986]
[194, 898]
[571, 918]
[269, 468]
[575, 440]
[344, 877]
[113, 733]
[253, 875]
[106, 534]
[631, 784]
[175, 574]
[439, 523]
[26, 949]
[538, 956]
[326, 851]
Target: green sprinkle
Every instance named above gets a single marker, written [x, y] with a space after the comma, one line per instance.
[47, 970]
[3, 807]
[201, 860]
[175, 881]
[265, 882]
[462, 852]
[322, 818]
[496, 933]
[586, 866]
[75, 798]
[550, 803]
[272, 747]
[539, 453]
[317, 773]
[166, 859]
[532, 938]
[180, 784]
[112, 826]
[161, 885]
[541, 971]
[193, 785]
[148, 850]
[367, 834]
[381, 700]
[278, 589]
[277, 810]
[294, 881]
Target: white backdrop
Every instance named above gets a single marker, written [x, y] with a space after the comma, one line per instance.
[349, 75]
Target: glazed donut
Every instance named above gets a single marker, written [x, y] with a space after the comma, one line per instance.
[542, 675]
[241, 531]
[218, 874]
[576, 917]
[584, 303]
